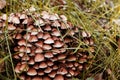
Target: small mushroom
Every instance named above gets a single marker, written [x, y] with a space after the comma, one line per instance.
[58, 77]
[40, 72]
[39, 57]
[52, 74]
[58, 44]
[33, 38]
[31, 72]
[49, 41]
[48, 55]
[48, 70]
[39, 44]
[22, 42]
[47, 47]
[46, 78]
[11, 27]
[15, 20]
[37, 78]
[38, 50]
[42, 65]
[62, 71]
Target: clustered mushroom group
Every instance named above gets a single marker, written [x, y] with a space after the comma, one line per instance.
[42, 46]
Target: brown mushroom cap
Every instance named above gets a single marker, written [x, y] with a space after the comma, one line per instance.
[48, 28]
[58, 44]
[26, 36]
[42, 65]
[71, 58]
[22, 42]
[22, 77]
[31, 61]
[15, 20]
[37, 78]
[48, 55]
[23, 16]
[61, 56]
[40, 72]
[33, 38]
[56, 33]
[23, 67]
[34, 31]
[17, 68]
[52, 74]
[49, 41]
[46, 35]
[11, 27]
[47, 47]
[39, 57]
[40, 35]
[46, 78]
[38, 50]
[62, 71]
[48, 70]
[31, 72]
[39, 44]
[17, 36]
[55, 67]
[36, 66]
[58, 77]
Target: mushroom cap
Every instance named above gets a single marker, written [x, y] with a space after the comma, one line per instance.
[49, 41]
[46, 35]
[31, 61]
[48, 28]
[40, 72]
[17, 68]
[56, 33]
[39, 57]
[58, 77]
[31, 72]
[52, 74]
[15, 20]
[22, 42]
[61, 56]
[37, 78]
[17, 36]
[62, 71]
[50, 63]
[11, 27]
[38, 50]
[48, 55]
[42, 65]
[39, 44]
[71, 58]
[58, 44]
[40, 35]
[46, 78]
[33, 38]
[23, 16]
[48, 70]
[47, 47]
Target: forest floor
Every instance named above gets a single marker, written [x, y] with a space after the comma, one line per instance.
[101, 18]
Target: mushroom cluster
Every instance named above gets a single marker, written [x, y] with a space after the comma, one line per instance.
[43, 45]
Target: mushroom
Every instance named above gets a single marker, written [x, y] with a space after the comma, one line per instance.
[39, 57]
[48, 55]
[49, 41]
[58, 77]
[31, 72]
[42, 65]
